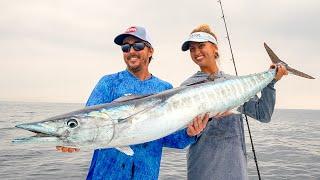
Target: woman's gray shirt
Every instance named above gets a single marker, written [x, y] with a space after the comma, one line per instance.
[220, 151]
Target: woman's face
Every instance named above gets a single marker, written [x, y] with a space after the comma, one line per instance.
[204, 54]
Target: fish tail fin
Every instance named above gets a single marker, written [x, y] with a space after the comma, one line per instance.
[274, 58]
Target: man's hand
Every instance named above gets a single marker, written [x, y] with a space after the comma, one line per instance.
[67, 149]
[282, 70]
[197, 125]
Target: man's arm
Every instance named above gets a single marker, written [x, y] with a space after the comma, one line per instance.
[186, 136]
[100, 94]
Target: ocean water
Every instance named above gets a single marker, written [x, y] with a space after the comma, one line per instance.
[287, 148]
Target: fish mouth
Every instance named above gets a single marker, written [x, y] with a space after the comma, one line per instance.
[42, 134]
[38, 138]
[39, 129]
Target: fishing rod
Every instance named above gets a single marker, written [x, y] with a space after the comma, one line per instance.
[235, 68]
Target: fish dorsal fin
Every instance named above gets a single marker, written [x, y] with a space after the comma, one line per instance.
[129, 108]
[128, 97]
[198, 82]
[211, 77]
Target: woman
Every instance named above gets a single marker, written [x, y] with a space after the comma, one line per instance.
[220, 151]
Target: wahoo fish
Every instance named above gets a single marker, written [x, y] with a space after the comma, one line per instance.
[138, 119]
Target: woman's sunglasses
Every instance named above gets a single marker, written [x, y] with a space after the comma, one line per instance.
[136, 46]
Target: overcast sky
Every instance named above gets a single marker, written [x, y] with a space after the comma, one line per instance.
[57, 50]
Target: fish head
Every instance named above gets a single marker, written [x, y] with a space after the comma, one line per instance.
[75, 130]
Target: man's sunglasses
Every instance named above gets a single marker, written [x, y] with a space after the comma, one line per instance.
[136, 46]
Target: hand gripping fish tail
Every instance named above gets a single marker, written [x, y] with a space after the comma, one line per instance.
[275, 59]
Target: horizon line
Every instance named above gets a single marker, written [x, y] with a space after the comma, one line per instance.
[53, 102]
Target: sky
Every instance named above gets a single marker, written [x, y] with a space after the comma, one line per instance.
[57, 50]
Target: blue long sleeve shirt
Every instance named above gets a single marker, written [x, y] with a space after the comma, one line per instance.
[145, 163]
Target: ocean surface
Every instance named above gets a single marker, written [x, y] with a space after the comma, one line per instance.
[287, 148]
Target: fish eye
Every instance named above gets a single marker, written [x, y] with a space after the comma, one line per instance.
[72, 123]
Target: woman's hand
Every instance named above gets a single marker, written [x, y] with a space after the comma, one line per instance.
[281, 71]
[197, 125]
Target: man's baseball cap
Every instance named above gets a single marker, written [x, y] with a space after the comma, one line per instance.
[136, 31]
[198, 37]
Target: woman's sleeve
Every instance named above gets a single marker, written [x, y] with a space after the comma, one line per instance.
[262, 108]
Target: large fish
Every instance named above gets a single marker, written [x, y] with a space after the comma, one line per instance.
[135, 120]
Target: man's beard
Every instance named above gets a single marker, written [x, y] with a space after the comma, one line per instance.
[136, 68]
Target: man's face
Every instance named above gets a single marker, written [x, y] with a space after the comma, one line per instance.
[136, 60]
[203, 53]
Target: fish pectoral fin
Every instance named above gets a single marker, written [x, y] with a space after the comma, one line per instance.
[125, 149]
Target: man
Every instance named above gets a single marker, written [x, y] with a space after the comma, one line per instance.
[137, 80]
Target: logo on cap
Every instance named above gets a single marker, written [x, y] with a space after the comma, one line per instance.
[195, 35]
[131, 29]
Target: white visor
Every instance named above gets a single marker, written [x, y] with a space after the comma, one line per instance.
[198, 37]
